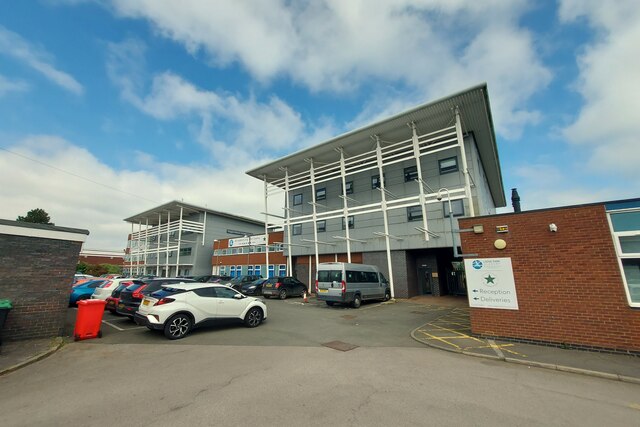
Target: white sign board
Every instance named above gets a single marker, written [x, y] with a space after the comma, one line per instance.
[490, 283]
[260, 240]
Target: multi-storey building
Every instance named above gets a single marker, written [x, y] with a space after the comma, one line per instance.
[177, 239]
[387, 194]
[250, 255]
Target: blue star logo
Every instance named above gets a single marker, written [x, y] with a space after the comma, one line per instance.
[477, 264]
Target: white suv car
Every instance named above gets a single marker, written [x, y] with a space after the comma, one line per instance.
[178, 308]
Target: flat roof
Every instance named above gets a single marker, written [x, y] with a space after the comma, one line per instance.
[173, 208]
[475, 112]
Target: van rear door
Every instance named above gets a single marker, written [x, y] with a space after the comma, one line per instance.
[330, 282]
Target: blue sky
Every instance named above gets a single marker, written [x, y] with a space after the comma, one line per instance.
[108, 108]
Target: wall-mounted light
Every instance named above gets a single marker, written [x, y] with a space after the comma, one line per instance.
[478, 229]
[553, 228]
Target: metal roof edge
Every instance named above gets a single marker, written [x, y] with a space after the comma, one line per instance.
[481, 86]
[176, 203]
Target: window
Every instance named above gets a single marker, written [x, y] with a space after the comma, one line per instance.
[448, 165]
[205, 292]
[414, 213]
[410, 173]
[321, 226]
[185, 251]
[351, 222]
[626, 235]
[238, 270]
[297, 199]
[222, 292]
[256, 270]
[282, 270]
[321, 193]
[375, 181]
[456, 205]
[250, 270]
[232, 272]
[272, 270]
[296, 229]
[349, 187]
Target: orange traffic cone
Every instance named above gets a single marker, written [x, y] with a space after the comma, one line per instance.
[304, 296]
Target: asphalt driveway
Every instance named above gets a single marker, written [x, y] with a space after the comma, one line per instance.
[292, 323]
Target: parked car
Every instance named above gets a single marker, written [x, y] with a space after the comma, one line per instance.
[177, 309]
[111, 276]
[212, 278]
[341, 282]
[106, 289]
[282, 287]
[237, 282]
[253, 288]
[131, 296]
[84, 291]
[114, 299]
[82, 277]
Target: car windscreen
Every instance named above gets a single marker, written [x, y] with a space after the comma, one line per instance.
[329, 276]
[165, 292]
[236, 280]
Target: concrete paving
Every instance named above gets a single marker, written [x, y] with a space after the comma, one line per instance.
[441, 323]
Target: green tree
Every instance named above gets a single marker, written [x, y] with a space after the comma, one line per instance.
[36, 216]
[82, 267]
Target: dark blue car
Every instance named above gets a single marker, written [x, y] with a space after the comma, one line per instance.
[84, 291]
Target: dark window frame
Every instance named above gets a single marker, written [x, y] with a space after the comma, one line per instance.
[321, 226]
[410, 173]
[379, 183]
[448, 169]
[412, 212]
[321, 193]
[296, 229]
[297, 199]
[349, 185]
[351, 220]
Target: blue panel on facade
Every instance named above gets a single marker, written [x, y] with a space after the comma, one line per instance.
[627, 204]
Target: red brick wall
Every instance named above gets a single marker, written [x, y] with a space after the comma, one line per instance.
[568, 283]
[95, 259]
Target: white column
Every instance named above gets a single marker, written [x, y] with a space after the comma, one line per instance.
[287, 221]
[166, 263]
[146, 245]
[131, 252]
[385, 217]
[158, 244]
[204, 227]
[310, 278]
[179, 241]
[138, 240]
[314, 211]
[463, 159]
[416, 154]
[345, 204]
[266, 226]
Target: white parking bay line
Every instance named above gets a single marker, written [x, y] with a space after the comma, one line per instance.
[112, 325]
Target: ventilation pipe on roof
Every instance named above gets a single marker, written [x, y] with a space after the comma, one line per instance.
[515, 200]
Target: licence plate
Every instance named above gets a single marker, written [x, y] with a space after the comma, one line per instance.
[145, 302]
[323, 290]
[120, 305]
[269, 286]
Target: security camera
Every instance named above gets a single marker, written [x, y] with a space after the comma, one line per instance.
[553, 227]
[439, 197]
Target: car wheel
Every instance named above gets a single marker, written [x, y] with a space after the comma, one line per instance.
[283, 294]
[387, 296]
[329, 303]
[177, 326]
[356, 301]
[253, 317]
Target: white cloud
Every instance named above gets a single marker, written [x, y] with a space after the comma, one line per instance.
[75, 202]
[609, 82]
[8, 85]
[433, 47]
[14, 45]
[229, 124]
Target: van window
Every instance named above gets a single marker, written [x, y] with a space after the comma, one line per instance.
[329, 276]
[371, 276]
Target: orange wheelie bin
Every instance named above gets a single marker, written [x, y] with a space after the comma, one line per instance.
[89, 319]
